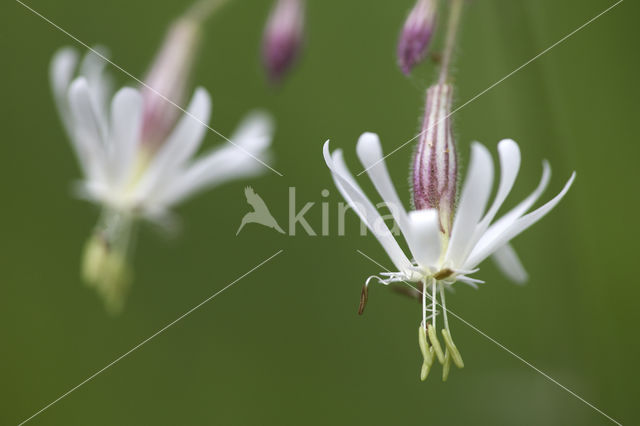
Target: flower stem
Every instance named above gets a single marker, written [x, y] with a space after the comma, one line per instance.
[202, 9]
[433, 304]
[444, 308]
[450, 42]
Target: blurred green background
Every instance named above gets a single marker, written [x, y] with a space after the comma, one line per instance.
[284, 346]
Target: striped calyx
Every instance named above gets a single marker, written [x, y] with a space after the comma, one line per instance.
[435, 167]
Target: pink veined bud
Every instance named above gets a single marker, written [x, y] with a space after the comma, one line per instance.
[282, 38]
[167, 79]
[416, 34]
[435, 165]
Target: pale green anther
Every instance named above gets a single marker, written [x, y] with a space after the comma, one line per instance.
[446, 366]
[424, 373]
[107, 270]
[433, 338]
[424, 345]
[455, 354]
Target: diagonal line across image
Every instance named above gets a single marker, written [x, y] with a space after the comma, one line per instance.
[139, 345]
[501, 346]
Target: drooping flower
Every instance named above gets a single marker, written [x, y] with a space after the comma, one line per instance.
[282, 39]
[416, 34]
[137, 155]
[441, 255]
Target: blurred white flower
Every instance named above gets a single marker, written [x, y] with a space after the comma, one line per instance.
[440, 256]
[138, 159]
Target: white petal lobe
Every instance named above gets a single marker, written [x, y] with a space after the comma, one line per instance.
[359, 202]
[424, 237]
[506, 259]
[475, 193]
[370, 154]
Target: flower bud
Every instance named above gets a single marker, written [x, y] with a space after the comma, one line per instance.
[282, 38]
[416, 34]
[167, 79]
[435, 167]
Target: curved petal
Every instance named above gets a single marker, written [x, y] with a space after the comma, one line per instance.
[475, 194]
[252, 140]
[88, 134]
[61, 72]
[506, 259]
[516, 228]
[181, 144]
[509, 165]
[126, 120]
[505, 221]
[370, 154]
[92, 67]
[424, 236]
[359, 202]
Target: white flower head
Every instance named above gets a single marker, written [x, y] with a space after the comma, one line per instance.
[440, 255]
[138, 156]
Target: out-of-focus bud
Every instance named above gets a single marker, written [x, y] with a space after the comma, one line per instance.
[282, 38]
[167, 78]
[416, 34]
[435, 166]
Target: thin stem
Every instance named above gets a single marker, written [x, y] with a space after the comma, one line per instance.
[450, 42]
[433, 304]
[424, 304]
[444, 308]
[202, 9]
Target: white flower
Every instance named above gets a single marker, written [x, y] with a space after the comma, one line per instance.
[439, 258]
[120, 170]
[136, 178]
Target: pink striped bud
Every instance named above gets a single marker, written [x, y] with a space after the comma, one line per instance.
[167, 79]
[416, 34]
[282, 38]
[435, 166]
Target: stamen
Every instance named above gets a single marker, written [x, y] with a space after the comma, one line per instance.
[364, 296]
[433, 338]
[451, 347]
[424, 372]
[443, 273]
[446, 366]
[424, 345]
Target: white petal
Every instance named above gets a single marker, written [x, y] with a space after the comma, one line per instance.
[88, 133]
[61, 72]
[179, 146]
[254, 133]
[370, 154]
[506, 259]
[509, 166]
[509, 218]
[424, 236]
[92, 68]
[126, 120]
[475, 193]
[251, 141]
[359, 202]
[517, 227]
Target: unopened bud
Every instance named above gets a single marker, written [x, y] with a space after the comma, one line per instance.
[435, 165]
[282, 38]
[166, 83]
[416, 34]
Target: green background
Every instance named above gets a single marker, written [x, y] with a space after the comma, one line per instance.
[284, 345]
